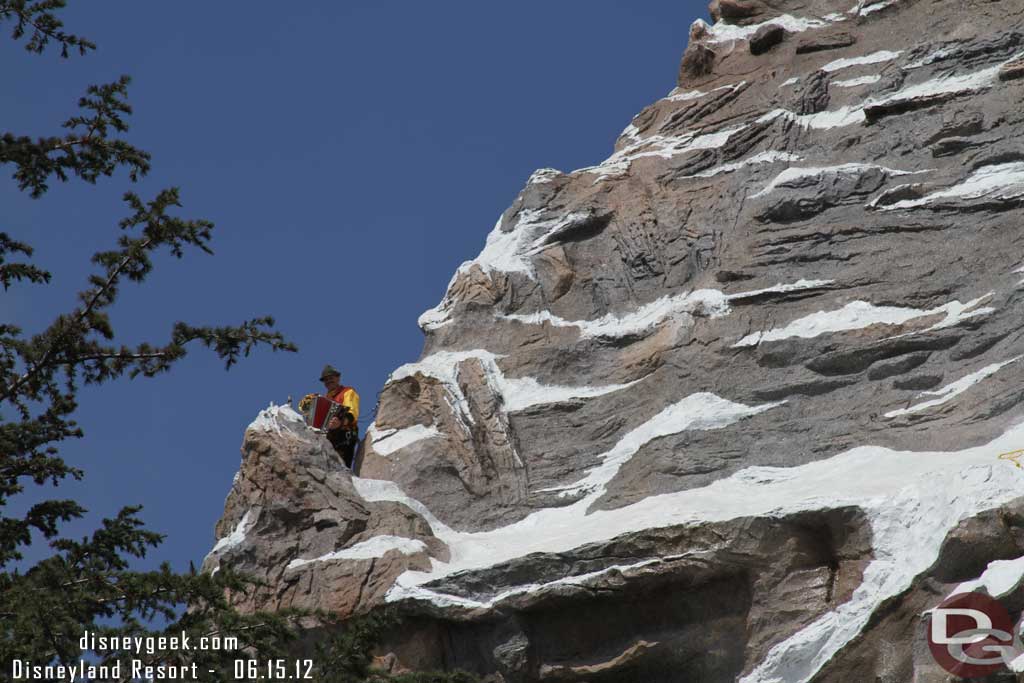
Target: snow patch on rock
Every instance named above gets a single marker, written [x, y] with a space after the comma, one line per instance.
[237, 535]
[707, 302]
[503, 252]
[873, 58]
[793, 174]
[677, 95]
[770, 157]
[710, 302]
[781, 288]
[701, 411]
[952, 390]
[1001, 182]
[722, 32]
[860, 314]
[663, 146]
[386, 442]
[543, 175]
[370, 549]
[999, 578]
[518, 393]
[912, 500]
[857, 82]
[277, 419]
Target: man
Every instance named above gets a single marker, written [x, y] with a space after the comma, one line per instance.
[343, 429]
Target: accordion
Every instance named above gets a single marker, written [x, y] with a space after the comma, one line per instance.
[320, 412]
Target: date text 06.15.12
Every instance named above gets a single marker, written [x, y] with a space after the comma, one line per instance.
[273, 669]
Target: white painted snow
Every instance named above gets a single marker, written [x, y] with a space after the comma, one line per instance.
[237, 535]
[781, 288]
[677, 95]
[274, 418]
[707, 302]
[911, 499]
[873, 58]
[375, 490]
[370, 549]
[518, 393]
[1017, 271]
[854, 114]
[697, 411]
[665, 147]
[860, 314]
[447, 600]
[668, 147]
[853, 316]
[857, 82]
[999, 578]
[710, 302]
[936, 56]
[721, 32]
[873, 204]
[505, 252]
[770, 157]
[998, 181]
[543, 175]
[440, 315]
[524, 392]
[865, 10]
[797, 173]
[790, 81]
[950, 391]
[977, 80]
[386, 442]
[826, 120]
[443, 366]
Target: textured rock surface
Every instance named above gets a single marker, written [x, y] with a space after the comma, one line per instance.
[294, 520]
[728, 405]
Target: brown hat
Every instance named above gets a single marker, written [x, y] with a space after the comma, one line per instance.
[328, 371]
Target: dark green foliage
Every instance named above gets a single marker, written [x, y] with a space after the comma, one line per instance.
[87, 585]
[346, 656]
[38, 21]
[87, 151]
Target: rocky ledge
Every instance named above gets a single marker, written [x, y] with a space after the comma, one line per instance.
[727, 406]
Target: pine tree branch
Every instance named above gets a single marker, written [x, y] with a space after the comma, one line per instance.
[88, 151]
[44, 24]
[91, 305]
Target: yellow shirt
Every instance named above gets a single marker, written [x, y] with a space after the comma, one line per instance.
[347, 397]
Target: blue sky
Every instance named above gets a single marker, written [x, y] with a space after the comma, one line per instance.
[352, 155]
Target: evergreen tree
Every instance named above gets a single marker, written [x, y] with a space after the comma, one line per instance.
[87, 586]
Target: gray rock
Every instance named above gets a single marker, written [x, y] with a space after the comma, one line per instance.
[765, 38]
[746, 379]
[819, 42]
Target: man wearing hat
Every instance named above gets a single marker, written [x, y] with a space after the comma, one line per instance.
[342, 430]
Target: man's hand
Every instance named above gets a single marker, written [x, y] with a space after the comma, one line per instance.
[334, 423]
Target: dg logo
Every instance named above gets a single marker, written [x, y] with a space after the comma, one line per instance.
[971, 635]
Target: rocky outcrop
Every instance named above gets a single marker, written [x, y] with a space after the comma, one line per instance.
[295, 522]
[725, 406]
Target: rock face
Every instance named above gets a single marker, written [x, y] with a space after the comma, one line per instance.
[295, 521]
[726, 406]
